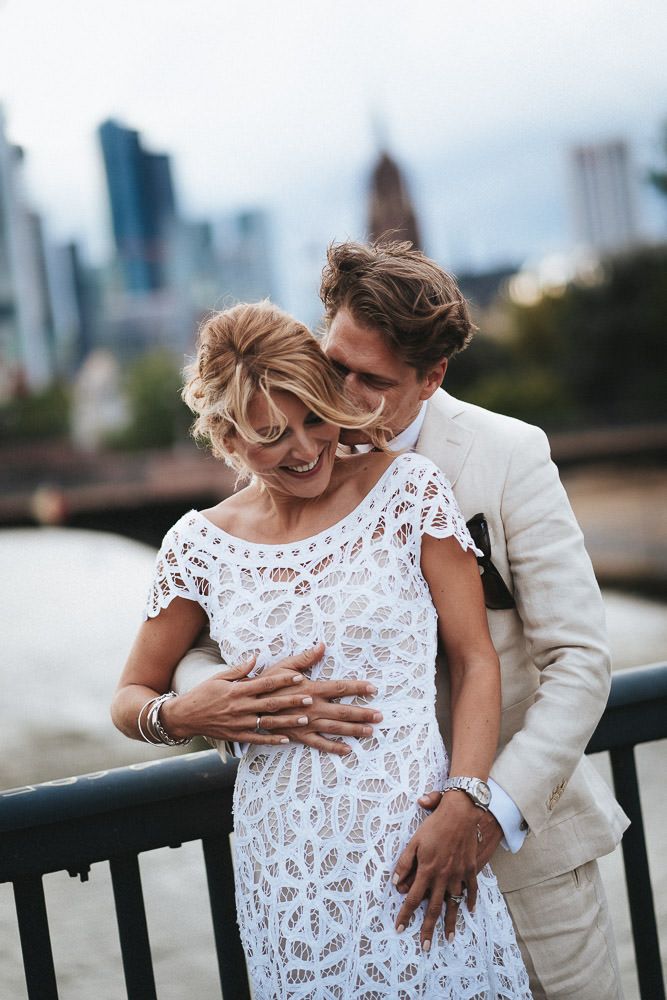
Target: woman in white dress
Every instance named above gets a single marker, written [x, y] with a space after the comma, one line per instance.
[369, 556]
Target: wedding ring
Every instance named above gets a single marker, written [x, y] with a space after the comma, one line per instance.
[457, 899]
[258, 728]
[480, 838]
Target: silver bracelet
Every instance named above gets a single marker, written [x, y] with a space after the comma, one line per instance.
[144, 737]
[156, 727]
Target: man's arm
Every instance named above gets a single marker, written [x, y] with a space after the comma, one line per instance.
[561, 609]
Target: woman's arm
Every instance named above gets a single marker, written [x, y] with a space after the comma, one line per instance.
[218, 707]
[440, 857]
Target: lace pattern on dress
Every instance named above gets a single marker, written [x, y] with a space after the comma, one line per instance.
[317, 835]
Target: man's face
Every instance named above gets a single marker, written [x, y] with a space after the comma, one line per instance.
[373, 372]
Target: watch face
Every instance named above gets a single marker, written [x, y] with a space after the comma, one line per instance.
[483, 793]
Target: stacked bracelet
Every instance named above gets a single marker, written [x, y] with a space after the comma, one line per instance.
[155, 733]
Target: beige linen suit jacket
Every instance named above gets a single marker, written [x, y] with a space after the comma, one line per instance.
[554, 660]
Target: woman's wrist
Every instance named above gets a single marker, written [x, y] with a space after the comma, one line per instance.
[171, 721]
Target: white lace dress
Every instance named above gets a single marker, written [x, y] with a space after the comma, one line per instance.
[317, 835]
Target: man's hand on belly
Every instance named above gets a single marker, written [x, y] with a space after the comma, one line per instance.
[490, 829]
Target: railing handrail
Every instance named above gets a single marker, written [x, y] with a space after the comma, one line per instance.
[71, 823]
[173, 777]
[152, 781]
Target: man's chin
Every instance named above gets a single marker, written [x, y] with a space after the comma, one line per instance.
[353, 437]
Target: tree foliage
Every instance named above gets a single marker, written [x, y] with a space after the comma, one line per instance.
[593, 354]
[158, 416]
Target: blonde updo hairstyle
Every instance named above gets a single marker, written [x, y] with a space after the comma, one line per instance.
[257, 347]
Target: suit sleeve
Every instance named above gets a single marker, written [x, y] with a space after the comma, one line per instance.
[561, 608]
[200, 662]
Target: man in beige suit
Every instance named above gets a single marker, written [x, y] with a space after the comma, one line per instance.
[393, 320]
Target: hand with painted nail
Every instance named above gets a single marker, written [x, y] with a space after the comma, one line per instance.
[439, 863]
[328, 720]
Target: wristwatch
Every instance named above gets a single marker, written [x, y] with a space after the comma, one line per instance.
[475, 788]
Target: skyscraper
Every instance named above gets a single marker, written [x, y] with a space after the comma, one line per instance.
[143, 206]
[25, 316]
[390, 209]
[603, 199]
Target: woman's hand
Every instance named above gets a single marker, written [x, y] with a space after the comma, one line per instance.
[325, 716]
[440, 863]
[228, 705]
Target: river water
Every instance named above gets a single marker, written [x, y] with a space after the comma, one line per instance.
[70, 603]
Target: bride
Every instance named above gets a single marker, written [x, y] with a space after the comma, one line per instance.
[368, 556]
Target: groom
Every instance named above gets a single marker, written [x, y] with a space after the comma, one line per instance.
[393, 320]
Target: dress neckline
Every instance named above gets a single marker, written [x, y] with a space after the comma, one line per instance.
[323, 533]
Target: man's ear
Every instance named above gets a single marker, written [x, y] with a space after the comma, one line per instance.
[433, 379]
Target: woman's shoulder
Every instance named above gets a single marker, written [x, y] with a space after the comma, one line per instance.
[231, 513]
[418, 469]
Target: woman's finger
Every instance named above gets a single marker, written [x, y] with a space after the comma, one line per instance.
[452, 906]
[274, 703]
[340, 728]
[318, 742]
[303, 660]
[471, 887]
[268, 722]
[432, 915]
[260, 739]
[414, 897]
[237, 672]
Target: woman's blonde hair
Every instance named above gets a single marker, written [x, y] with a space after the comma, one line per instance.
[256, 347]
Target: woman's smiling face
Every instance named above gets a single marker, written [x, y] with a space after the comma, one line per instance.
[299, 461]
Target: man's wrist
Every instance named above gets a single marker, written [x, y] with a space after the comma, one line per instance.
[509, 818]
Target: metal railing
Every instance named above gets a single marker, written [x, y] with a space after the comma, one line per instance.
[113, 816]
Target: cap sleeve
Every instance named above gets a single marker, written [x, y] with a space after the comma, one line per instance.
[440, 513]
[173, 575]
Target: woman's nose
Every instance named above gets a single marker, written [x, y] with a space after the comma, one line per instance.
[305, 445]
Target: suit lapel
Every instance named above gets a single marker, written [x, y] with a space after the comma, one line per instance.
[443, 439]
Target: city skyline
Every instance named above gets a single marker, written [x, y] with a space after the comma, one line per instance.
[278, 111]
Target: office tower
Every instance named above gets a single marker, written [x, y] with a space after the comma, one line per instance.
[245, 256]
[143, 206]
[390, 209]
[25, 331]
[73, 302]
[603, 196]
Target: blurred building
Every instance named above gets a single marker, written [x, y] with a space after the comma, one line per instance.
[390, 209]
[143, 206]
[603, 197]
[245, 256]
[74, 303]
[26, 335]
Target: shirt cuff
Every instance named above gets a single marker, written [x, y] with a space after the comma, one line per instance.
[509, 817]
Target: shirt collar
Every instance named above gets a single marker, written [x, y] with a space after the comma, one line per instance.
[407, 438]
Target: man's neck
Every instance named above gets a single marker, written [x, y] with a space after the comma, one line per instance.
[405, 439]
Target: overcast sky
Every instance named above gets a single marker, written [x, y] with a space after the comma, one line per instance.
[274, 102]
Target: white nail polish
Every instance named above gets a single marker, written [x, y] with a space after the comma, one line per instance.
[450, 936]
[284, 739]
[302, 720]
[400, 928]
[395, 879]
[426, 947]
